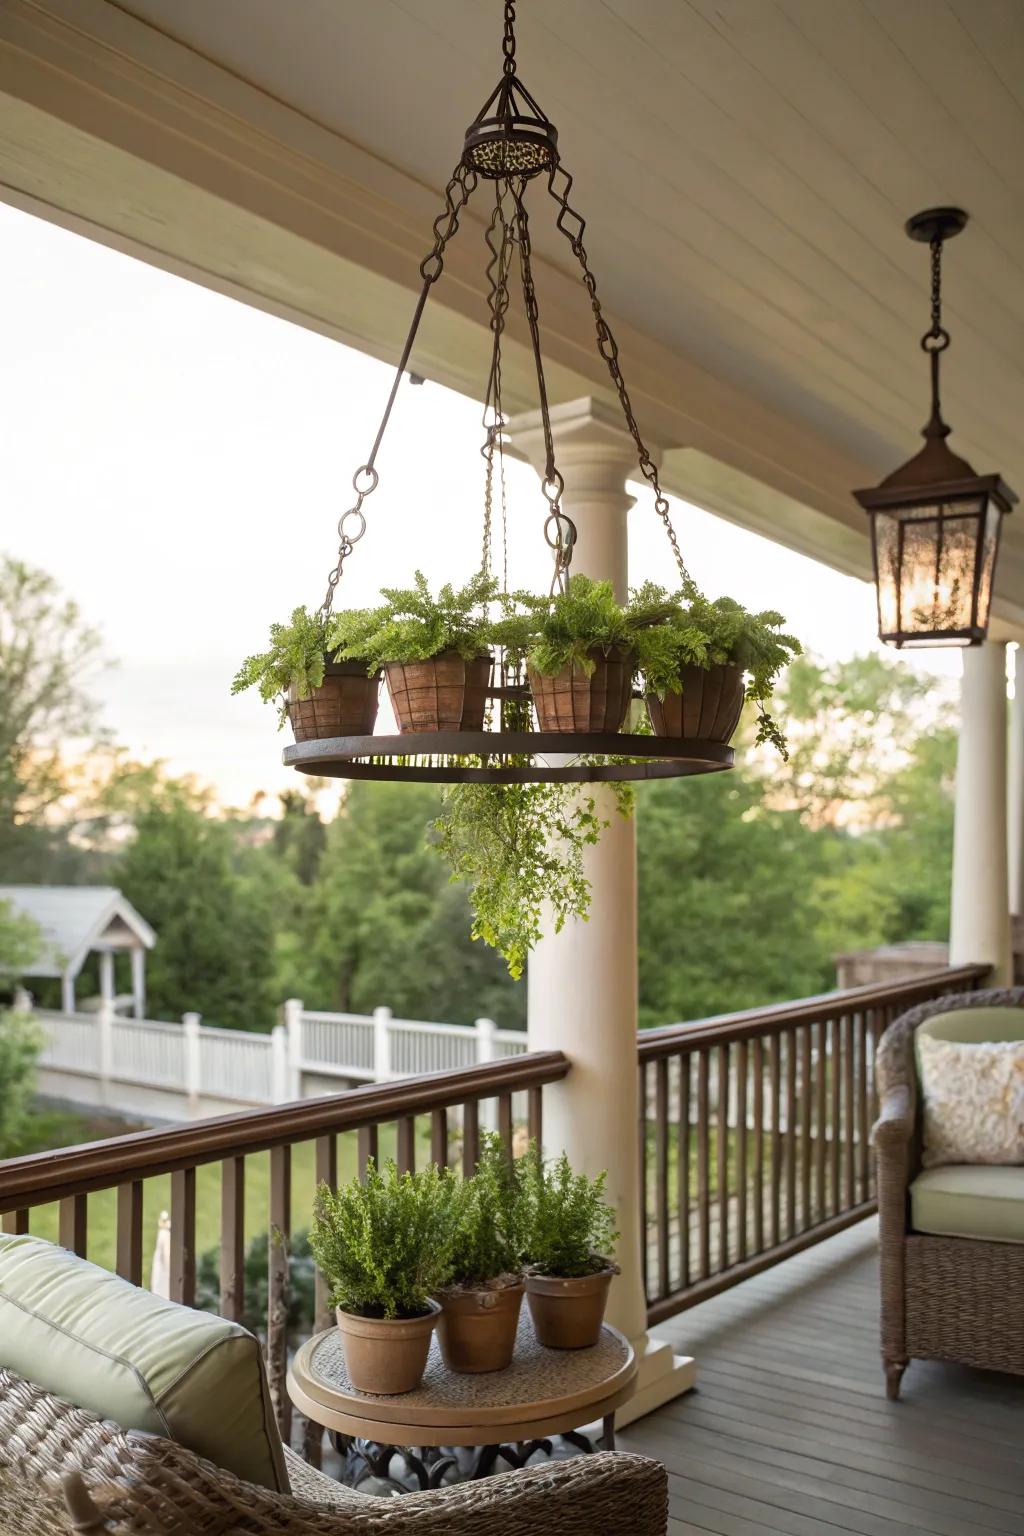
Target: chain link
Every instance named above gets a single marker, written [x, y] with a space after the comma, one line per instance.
[936, 339]
[508, 41]
[572, 225]
[498, 269]
[352, 523]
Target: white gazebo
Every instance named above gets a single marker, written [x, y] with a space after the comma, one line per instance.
[77, 921]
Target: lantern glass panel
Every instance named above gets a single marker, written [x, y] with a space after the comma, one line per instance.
[927, 556]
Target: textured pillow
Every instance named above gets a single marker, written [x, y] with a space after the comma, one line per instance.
[973, 1100]
[123, 1354]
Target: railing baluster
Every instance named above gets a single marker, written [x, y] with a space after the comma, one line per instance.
[326, 1165]
[775, 1070]
[683, 1168]
[820, 1118]
[741, 1150]
[277, 1288]
[757, 1058]
[505, 1120]
[367, 1146]
[470, 1136]
[406, 1158]
[835, 1128]
[439, 1138]
[183, 1236]
[128, 1260]
[722, 1150]
[232, 1238]
[849, 1117]
[703, 1154]
[863, 1123]
[73, 1223]
[806, 1110]
[535, 1116]
[791, 1125]
[14, 1223]
[661, 1168]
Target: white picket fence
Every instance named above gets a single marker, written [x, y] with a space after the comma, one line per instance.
[134, 1064]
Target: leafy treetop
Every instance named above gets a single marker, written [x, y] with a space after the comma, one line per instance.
[385, 1245]
[412, 625]
[571, 1228]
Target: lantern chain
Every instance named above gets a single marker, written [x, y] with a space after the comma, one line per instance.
[935, 341]
[352, 523]
[498, 269]
[572, 225]
[508, 41]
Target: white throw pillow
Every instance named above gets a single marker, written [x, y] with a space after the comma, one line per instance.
[973, 1098]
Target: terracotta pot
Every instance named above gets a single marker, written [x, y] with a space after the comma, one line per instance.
[344, 705]
[708, 709]
[568, 1313]
[386, 1356]
[445, 693]
[477, 1329]
[572, 701]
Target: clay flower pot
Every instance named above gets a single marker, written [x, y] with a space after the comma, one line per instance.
[386, 1356]
[574, 701]
[345, 704]
[446, 693]
[477, 1328]
[707, 709]
[568, 1313]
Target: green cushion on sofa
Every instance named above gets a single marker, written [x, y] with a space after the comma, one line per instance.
[969, 1201]
[121, 1353]
[975, 1026]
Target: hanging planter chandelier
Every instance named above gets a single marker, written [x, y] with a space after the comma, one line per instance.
[935, 523]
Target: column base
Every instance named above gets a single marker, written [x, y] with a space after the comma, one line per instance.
[663, 1375]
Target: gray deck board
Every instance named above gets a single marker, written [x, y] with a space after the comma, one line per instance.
[790, 1431]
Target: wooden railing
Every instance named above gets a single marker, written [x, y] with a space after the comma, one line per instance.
[435, 1118]
[754, 1133]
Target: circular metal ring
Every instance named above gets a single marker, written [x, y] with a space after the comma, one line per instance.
[566, 531]
[553, 488]
[661, 504]
[935, 341]
[371, 473]
[431, 267]
[343, 526]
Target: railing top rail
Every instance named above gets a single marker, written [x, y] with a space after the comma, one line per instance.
[320, 1016]
[443, 1031]
[254, 1037]
[670, 1039]
[47, 1176]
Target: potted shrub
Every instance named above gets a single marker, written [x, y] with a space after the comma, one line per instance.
[480, 1304]
[384, 1246]
[435, 652]
[322, 696]
[696, 660]
[570, 1242]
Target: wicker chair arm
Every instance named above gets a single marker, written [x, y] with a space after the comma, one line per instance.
[895, 1124]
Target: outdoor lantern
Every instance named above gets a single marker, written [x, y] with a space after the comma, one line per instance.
[934, 522]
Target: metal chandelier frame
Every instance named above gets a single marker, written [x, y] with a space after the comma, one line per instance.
[510, 143]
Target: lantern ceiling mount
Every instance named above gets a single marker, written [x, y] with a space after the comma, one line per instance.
[935, 522]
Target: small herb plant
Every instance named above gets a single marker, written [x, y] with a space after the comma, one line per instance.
[517, 847]
[295, 659]
[411, 625]
[553, 633]
[696, 631]
[385, 1245]
[570, 1229]
[489, 1219]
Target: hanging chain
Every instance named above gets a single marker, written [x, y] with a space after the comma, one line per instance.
[508, 41]
[498, 269]
[572, 226]
[935, 341]
[352, 523]
[559, 528]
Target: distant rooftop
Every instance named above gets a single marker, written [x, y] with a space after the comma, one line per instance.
[74, 920]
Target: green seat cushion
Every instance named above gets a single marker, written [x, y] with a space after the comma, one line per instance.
[123, 1354]
[975, 1026]
[969, 1201]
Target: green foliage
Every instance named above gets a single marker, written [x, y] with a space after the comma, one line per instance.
[489, 1217]
[20, 941]
[519, 847]
[295, 660]
[570, 1227]
[301, 1284]
[553, 633]
[701, 633]
[19, 1048]
[385, 1245]
[414, 626]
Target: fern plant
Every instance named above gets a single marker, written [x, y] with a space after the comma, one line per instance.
[570, 1227]
[489, 1219]
[566, 630]
[384, 1245]
[517, 847]
[696, 631]
[295, 660]
[412, 625]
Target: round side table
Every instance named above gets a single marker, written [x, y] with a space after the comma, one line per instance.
[508, 1415]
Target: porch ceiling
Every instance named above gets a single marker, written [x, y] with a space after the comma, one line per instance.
[745, 167]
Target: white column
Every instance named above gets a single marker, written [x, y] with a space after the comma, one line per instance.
[107, 978]
[138, 983]
[1015, 786]
[980, 916]
[67, 992]
[582, 982]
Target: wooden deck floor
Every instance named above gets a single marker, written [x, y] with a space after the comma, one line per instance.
[790, 1431]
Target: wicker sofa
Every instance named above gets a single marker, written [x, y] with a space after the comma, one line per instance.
[947, 1297]
[62, 1471]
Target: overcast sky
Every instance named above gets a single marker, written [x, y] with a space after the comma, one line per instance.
[178, 462]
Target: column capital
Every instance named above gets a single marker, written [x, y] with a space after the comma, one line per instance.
[586, 432]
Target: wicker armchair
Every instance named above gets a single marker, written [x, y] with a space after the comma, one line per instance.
[63, 1471]
[943, 1298]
